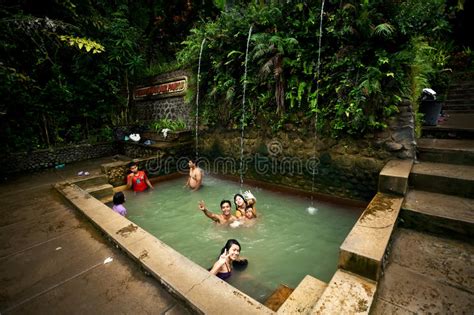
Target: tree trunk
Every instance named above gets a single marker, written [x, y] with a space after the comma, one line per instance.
[127, 105]
[279, 84]
[45, 125]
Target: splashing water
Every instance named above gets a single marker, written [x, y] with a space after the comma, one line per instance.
[197, 96]
[317, 97]
[243, 113]
[312, 210]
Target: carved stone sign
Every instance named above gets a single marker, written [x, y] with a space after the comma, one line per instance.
[163, 89]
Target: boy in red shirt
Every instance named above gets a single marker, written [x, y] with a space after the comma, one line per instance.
[137, 180]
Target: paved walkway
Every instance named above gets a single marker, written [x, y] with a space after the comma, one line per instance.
[430, 264]
[52, 259]
[426, 274]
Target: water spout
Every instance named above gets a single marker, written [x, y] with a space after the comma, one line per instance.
[242, 119]
[197, 97]
[317, 97]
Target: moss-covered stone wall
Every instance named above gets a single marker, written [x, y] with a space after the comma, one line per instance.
[295, 157]
[342, 168]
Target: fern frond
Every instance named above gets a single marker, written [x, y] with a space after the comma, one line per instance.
[384, 29]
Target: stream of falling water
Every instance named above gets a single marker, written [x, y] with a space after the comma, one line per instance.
[197, 98]
[242, 120]
[315, 164]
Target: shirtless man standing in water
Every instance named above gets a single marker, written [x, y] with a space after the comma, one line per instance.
[195, 176]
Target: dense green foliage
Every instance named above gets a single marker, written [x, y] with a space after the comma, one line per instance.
[67, 67]
[373, 54]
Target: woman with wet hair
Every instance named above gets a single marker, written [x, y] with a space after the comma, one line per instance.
[240, 205]
[229, 256]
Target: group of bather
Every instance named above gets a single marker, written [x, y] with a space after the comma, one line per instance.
[245, 212]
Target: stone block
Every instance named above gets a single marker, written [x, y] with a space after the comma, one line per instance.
[394, 177]
[363, 249]
[304, 297]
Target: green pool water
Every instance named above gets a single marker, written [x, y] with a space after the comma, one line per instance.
[287, 241]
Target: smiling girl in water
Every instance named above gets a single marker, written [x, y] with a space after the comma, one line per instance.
[229, 254]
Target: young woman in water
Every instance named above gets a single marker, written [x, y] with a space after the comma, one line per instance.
[229, 255]
[240, 205]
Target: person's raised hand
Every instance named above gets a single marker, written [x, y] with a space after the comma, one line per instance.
[224, 256]
[202, 205]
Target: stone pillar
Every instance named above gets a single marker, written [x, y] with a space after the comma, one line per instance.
[163, 97]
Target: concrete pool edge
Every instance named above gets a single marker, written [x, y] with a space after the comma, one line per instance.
[198, 289]
[195, 286]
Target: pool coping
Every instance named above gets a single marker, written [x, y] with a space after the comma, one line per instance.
[200, 290]
[203, 292]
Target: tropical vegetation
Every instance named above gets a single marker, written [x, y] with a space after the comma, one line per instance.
[349, 65]
[67, 68]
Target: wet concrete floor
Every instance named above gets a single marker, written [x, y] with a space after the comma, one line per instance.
[426, 274]
[52, 258]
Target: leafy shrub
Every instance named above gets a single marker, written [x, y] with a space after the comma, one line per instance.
[165, 123]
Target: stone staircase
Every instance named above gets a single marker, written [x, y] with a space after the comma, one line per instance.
[442, 187]
[346, 293]
[431, 261]
[460, 98]
[442, 183]
[96, 185]
[426, 263]
[458, 109]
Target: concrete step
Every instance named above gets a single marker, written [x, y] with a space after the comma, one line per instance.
[278, 297]
[104, 191]
[304, 297]
[89, 181]
[466, 86]
[107, 199]
[461, 84]
[455, 126]
[438, 213]
[459, 100]
[451, 151]
[443, 178]
[461, 91]
[346, 294]
[426, 274]
[393, 178]
[447, 132]
[458, 111]
[458, 106]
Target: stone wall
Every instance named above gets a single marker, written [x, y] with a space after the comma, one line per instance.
[345, 168]
[40, 159]
[155, 160]
[399, 137]
[172, 106]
